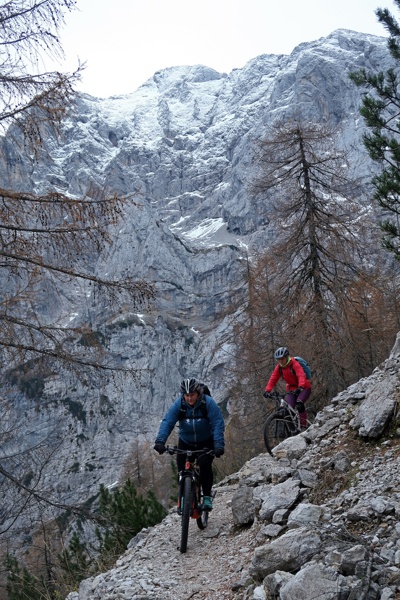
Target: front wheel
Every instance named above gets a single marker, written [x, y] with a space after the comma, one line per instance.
[276, 429]
[186, 506]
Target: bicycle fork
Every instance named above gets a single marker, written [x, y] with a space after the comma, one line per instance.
[195, 509]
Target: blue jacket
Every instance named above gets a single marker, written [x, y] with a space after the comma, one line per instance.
[194, 428]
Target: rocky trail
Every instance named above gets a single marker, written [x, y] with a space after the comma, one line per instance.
[213, 564]
[319, 520]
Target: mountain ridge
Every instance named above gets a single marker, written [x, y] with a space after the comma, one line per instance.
[182, 145]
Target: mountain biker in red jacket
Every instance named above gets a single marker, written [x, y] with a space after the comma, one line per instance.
[293, 373]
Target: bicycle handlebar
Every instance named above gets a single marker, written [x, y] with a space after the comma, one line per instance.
[280, 395]
[175, 450]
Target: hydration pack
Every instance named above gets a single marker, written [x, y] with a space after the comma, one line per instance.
[304, 364]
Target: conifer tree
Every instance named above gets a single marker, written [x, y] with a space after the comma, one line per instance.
[381, 111]
[312, 273]
[125, 513]
[49, 241]
[122, 513]
[76, 561]
[315, 257]
[21, 584]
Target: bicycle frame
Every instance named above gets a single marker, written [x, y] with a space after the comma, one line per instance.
[191, 470]
[288, 413]
[189, 496]
[283, 422]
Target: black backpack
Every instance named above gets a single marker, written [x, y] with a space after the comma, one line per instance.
[205, 391]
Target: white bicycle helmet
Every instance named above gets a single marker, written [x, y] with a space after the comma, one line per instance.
[281, 352]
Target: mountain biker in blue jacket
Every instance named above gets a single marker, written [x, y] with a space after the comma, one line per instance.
[201, 425]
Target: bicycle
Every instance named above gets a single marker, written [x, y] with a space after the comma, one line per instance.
[189, 493]
[283, 422]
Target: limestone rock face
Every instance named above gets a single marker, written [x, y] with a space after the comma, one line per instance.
[183, 145]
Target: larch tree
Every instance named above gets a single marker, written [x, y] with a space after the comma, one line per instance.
[318, 258]
[29, 95]
[255, 326]
[47, 243]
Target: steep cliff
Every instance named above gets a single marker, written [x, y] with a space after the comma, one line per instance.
[182, 144]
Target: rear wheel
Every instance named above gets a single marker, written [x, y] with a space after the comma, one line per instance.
[310, 416]
[186, 506]
[202, 521]
[276, 429]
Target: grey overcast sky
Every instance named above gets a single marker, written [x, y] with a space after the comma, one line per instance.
[124, 42]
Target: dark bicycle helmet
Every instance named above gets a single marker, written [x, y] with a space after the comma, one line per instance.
[281, 352]
[188, 386]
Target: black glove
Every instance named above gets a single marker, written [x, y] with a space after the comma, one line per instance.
[300, 407]
[219, 452]
[267, 394]
[299, 390]
[160, 447]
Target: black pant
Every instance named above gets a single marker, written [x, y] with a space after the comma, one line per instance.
[205, 463]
